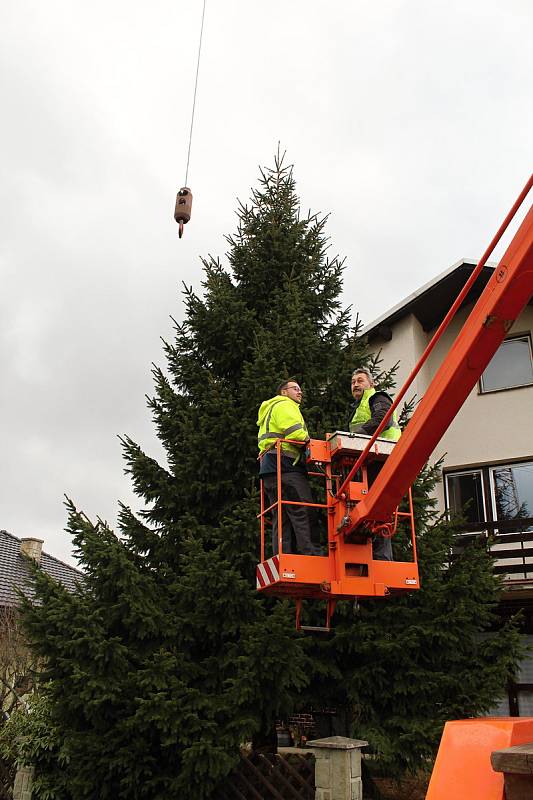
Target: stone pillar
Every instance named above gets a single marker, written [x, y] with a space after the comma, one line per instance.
[337, 768]
[23, 783]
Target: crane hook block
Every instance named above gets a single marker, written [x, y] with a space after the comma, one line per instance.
[182, 214]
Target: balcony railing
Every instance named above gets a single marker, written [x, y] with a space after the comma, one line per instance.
[509, 542]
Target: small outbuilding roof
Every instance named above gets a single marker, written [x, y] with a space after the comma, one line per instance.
[14, 572]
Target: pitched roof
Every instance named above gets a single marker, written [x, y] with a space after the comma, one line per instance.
[431, 301]
[14, 572]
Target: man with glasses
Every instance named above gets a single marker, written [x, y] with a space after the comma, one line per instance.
[281, 418]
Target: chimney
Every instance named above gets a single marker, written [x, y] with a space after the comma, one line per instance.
[32, 547]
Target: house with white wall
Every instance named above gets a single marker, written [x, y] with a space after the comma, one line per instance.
[487, 473]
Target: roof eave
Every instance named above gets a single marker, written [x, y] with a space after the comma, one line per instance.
[396, 310]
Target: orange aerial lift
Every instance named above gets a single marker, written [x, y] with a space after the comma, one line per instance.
[355, 511]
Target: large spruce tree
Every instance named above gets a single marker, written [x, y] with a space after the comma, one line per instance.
[166, 658]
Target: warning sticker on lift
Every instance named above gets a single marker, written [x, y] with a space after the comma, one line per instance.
[411, 581]
[288, 574]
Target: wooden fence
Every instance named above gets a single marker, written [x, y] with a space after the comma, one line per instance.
[7, 778]
[271, 777]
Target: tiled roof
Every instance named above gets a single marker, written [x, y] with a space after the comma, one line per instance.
[14, 572]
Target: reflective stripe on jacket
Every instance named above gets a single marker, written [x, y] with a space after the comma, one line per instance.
[281, 418]
[363, 413]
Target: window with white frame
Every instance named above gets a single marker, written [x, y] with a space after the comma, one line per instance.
[492, 494]
[498, 499]
[510, 367]
[466, 495]
[512, 492]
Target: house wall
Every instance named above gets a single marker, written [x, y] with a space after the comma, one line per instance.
[490, 428]
[407, 344]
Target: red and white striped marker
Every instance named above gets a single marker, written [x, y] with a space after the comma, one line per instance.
[267, 572]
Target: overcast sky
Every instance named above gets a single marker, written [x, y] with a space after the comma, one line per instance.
[409, 121]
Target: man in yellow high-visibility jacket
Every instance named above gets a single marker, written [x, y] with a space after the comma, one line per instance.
[281, 418]
[370, 407]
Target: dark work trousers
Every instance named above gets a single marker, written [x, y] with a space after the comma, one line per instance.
[296, 520]
[381, 547]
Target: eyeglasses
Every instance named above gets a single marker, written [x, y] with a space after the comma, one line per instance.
[295, 387]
